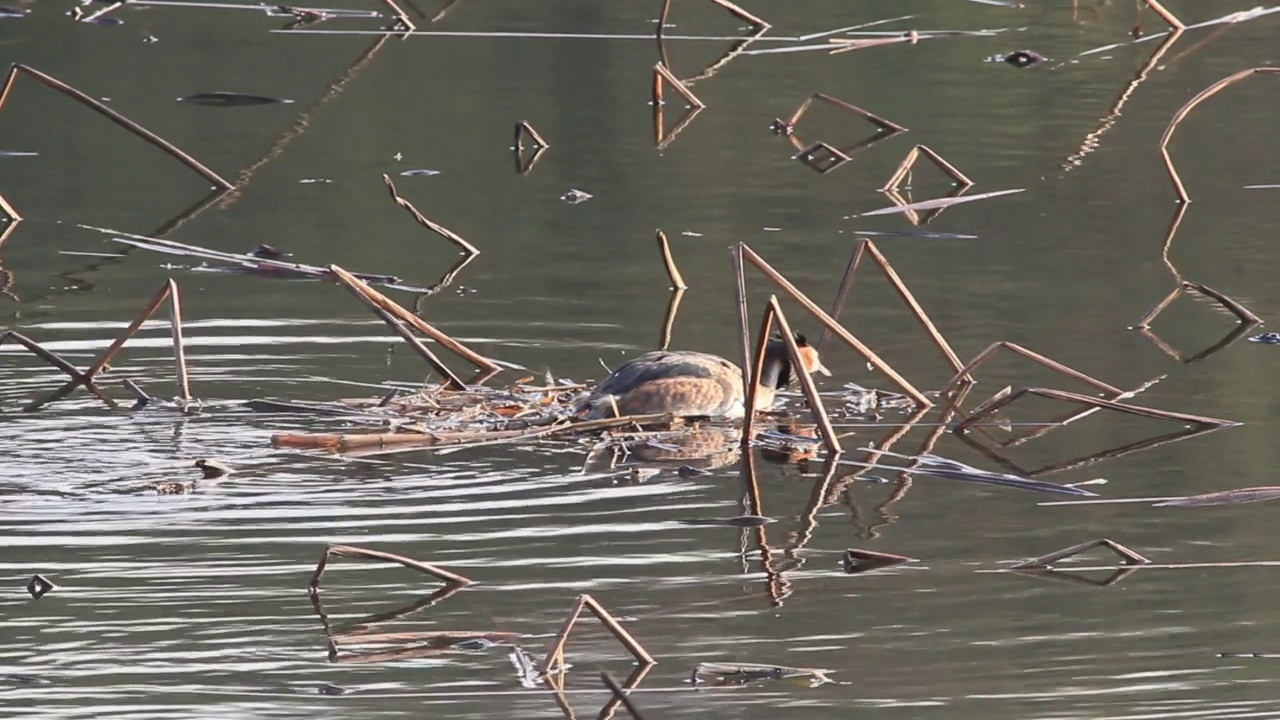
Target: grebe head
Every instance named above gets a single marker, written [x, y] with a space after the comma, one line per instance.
[777, 371]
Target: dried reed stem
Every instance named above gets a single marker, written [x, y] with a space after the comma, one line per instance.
[673, 272]
[662, 74]
[47, 355]
[355, 284]
[129, 332]
[9, 210]
[401, 329]
[1092, 402]
[872, 118]
[523, 130]
[822, 317]
[112, 115]
[816, 406]
[555, 656]
[400, 15]
[434, 227]
[910, 160]
[756, 22]
[1146, 320]
[856, 560]
[967, 371]
[1044, 561]
[179, 349]
[910, 301]
[366, 554]
[744, 332]
[1182, 112]
[663, 139]
[753, 387]
[1167, 16]
[1240, 311]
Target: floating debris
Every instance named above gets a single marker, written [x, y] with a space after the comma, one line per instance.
[573, 197]
[1266, 338]
[270, 252]
[231, 99]
[420, 172]
[1019, 58]
[213, 469]
[1225, 497]
[312, 181]
[17, 153]
[39, 586]
[449, 578]
[860, 561]
[718, 673]
[8, 12]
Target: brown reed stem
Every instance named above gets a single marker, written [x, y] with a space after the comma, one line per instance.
[414, 321]
[9, 210]
[669, 320]
[821, 315]
[129, 332]
[756, 22]
[367, 554]
[401, 15]
[816, 406]
[434, 227]
[1167, 16]
[1182, 112]
[1240, 311]
[452, 380]
[910, 301]
[1044, 561]
[661, 74]
[179, 349]
[1092, 402]
[757, 367]
[555, 656]
[967, 371]
[46, 355]
[111, 115]
[883, 123]
[744, 332]
[523, 130]
[673, 272]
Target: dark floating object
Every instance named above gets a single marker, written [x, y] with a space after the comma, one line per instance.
[331, 689]
[718, 673]
[269, 252]
[213, 469]
[860, 561]
[420, 172]
[39, 586]
[739, 521]
[573, 197]
[1020, 58]
[1267, 338]
[230, 99]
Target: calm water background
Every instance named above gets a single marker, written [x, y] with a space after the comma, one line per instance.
[194, 606]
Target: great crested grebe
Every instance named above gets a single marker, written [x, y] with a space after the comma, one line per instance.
[683, 382]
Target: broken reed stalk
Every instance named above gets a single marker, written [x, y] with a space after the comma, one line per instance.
[9, 210]
[967, 371]
[1044, 561]
[753, 386]
[555, 655]
[1167, 16]
[46, 355]
[910, 160]
[756, 22]
[366, 554]
[523, 130]
[362, 289]
[835, 327]
[401, 15]
[829, 437]
[1092, 402]
[872, 118]
[1182, 113]
[179, 349]
[434, 227]
[660, 75]
[619, 694]
[673, 272]
[167, 291]
[451, 380]
[744, 331]
[1242, 313]
[910, 301]
[124, 122]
